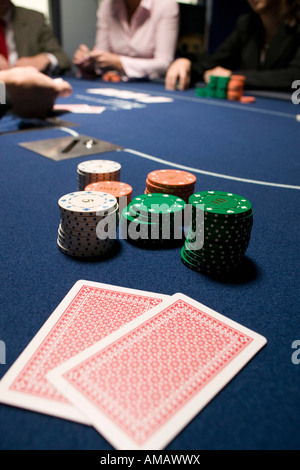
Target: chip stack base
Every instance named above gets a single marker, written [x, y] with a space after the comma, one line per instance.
[219, 233]
[93, 171]
[88, 224]
[175, 182]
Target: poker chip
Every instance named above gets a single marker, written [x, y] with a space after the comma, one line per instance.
[219, 232]
[111, 76]
[219, 203]
[93, 171]
[230, 88]
[153, 219]
[88, 223]
[116, 188]
[217, 87]
[247, 99]
[175, 182]
[235, 88]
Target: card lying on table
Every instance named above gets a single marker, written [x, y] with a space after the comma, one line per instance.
[88, 313]
[79, 108]
[142, 384]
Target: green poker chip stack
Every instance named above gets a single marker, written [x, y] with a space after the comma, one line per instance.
[153, 219]
[212, 87]
[219, 232]
[216, 88]
[221, 91]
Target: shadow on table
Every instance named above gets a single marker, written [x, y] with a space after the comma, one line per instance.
[245, 273]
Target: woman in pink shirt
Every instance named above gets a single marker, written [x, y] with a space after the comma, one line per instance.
[136, 38]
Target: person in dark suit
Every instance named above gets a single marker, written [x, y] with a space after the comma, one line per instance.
[26, 40]
[265, 48]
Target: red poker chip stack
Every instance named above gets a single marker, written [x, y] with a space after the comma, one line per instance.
[175, 182]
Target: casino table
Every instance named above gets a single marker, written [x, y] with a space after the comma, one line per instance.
[247, 149]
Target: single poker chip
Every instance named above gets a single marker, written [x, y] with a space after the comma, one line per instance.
[88, 202]
[171, 178]
[158, 203]
[98, 166]
[247, 99]
[219, 202]
[116, 188]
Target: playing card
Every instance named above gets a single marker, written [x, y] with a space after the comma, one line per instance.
[142, 384]
[88, 313]
[155, 99]
[79, 108]
[114, 92]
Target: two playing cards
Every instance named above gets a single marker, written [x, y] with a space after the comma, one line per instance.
[136, 365]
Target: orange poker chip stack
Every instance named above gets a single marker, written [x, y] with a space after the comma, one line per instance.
[175, 182]
[115, 188]
[111, 76]
[235, 87]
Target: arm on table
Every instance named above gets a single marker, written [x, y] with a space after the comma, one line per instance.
[32, 94]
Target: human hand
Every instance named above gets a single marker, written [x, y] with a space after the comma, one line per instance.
[179, 70]
[85, 65]
[32, 93]
[40, 62]
[4, 65]
[217, 71]
[82, 55]
[106, 60]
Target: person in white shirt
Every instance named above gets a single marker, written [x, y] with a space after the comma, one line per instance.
[136, 38]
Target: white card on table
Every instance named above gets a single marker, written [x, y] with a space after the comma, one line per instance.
[79, 108]
[156, 99]
[115, 93]
[88, 313]
[142, 384]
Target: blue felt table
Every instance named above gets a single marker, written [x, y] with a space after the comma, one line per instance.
[247, 149]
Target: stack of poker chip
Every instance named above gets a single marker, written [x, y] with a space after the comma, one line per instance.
[153, 220]
[235, 89]
[121, 191]
[175, 182]
[92, 171]
[216, 87]
[230, 88]
[88, 223]
[219, 232]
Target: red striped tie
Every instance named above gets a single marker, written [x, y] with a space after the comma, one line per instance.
[3, 46]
